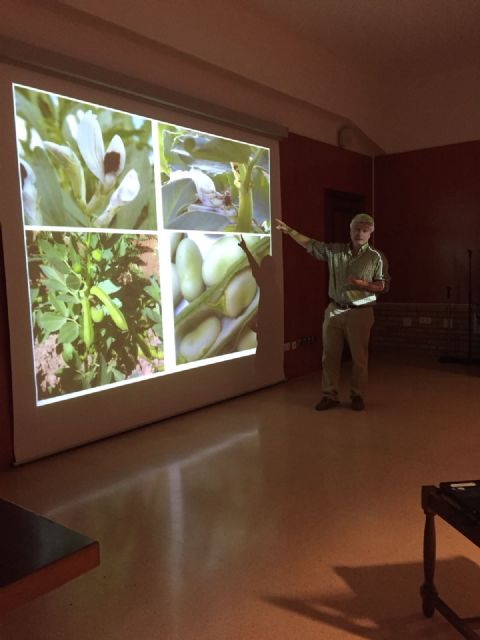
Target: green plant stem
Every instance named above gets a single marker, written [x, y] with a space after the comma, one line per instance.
[245, 196]
[96, 201]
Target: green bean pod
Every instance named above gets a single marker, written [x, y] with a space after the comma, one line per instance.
[176, 291]
[115, 313]
[88, 331]
[175, 238]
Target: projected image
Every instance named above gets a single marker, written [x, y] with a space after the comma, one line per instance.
[211, 183]
[83, 165]
[215, 294]
[103, 193]
[95, 304]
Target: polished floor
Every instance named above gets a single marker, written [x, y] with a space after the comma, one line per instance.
[262, 519]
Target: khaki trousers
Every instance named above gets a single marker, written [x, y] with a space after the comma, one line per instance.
[353, 325]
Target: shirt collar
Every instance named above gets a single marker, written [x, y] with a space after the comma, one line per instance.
[360, 251]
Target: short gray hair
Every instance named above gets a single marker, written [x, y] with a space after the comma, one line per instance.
[363, 218]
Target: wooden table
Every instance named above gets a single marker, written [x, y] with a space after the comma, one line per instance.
[435, 503]
[38, 555]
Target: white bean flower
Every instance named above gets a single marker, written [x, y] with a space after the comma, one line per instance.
[29, 194]
[105, 165]
[203, 183]
[126, 192]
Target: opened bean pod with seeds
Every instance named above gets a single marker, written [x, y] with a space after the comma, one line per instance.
[215, 294]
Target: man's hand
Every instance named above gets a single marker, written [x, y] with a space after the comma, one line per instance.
[358, 282]
[281, 226]
[374, 287]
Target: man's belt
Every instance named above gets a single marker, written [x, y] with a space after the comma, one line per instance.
[348, 305]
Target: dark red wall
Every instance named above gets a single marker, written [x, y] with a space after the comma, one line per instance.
[427, 208]
[307, 169]
[6, 446]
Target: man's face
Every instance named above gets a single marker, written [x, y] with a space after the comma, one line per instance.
[360, 234]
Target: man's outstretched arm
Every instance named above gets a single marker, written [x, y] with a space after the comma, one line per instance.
[295, 235]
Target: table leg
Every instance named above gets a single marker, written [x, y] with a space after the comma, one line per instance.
[428, 591]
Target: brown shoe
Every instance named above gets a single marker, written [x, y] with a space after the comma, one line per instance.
[357, 403]
[326, 403]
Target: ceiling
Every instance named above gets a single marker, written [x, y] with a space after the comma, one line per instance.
[386, 36]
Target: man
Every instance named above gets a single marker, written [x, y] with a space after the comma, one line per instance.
[357, 273]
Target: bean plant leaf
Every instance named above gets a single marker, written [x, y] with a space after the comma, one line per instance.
[153, 290]
[51, 321]
[54, 285]
[217, 149]
[51, 251]
[263, 161]
[68, 298]
[261, 196]
[73, 214]
[68, 333]
[67, 351]
[52, 273]
[108, 287]
[60, 266]
[206, 220]
[105, 374]
[73, 282]
[153, 315]
[176, 197]
[50, 196]
[59, 306]
[29, 111]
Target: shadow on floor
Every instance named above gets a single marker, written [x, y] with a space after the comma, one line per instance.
[385, 603]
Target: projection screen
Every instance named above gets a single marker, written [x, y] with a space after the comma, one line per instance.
[143, 277]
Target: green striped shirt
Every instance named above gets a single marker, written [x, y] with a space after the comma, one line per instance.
[369, 264]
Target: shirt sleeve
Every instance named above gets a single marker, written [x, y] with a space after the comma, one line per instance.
[317, 249]
[382, 272]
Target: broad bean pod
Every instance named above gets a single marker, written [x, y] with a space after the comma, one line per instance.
[114, 312]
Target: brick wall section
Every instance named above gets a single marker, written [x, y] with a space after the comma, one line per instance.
[439, 329]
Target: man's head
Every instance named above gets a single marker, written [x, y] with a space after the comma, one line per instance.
[361, 228]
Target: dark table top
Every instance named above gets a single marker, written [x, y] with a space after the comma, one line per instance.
[34, 546]
[436, 502]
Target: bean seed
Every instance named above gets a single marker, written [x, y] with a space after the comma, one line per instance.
[196, 343]
[239, 293]
[247, 340]
[221, 255]
[189, 269]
